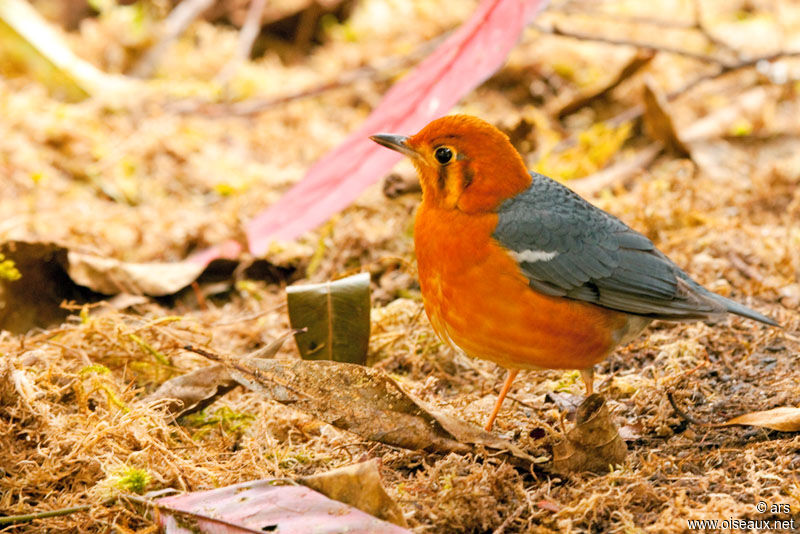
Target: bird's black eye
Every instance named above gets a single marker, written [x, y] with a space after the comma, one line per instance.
[443, 155]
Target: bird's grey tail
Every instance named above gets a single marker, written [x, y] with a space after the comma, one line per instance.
[734, 307]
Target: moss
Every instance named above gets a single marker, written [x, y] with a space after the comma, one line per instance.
[8, 270]
[132, 480]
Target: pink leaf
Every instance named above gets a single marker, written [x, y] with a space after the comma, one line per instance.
[469, 56]
[264, 506]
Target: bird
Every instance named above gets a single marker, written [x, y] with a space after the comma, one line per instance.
[518, 269]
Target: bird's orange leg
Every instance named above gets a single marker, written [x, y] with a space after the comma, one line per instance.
[588, 379]
[512, 374]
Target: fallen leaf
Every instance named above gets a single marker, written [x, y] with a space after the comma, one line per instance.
[784, 419]
[631, 432]
[123, 301]
[593, 444]
[264, 506]
[364, 401]
[658, 118]
[332, 319]
[565, 402]
[358, 485]
[191, 392]
[110, 276]
[52, 274]
[469, 56]
[637, 61]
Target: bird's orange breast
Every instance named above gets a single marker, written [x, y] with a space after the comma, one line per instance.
[479, 301]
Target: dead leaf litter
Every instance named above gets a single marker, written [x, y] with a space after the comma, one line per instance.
[138, 181]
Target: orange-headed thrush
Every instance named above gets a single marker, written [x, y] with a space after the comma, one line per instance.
[517, 269]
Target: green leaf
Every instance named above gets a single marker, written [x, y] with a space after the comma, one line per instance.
[335, 316]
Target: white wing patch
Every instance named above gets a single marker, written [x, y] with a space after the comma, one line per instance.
[532, 256]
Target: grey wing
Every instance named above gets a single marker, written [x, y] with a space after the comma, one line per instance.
[567, 247]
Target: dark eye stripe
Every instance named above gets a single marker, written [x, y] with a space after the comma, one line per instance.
[442, 176]
[469, 175]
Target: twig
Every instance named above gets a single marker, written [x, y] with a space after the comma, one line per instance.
[11, 519]
[174, 25]
[727, 69]
[683, 415]
[718, 122]
[198, 294]
[249, 31]
[510, 519]
[635, 112]
[555, 30]
[251, 317]
[617, 172]
[624, 19]
[746, 269]
[496, 389]
[640, 60]
[726, 66]
[384, 69]
[307, 25]
[700, 26]
[254, 373]
[247, 36]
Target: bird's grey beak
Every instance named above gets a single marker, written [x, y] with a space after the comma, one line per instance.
[395, 142]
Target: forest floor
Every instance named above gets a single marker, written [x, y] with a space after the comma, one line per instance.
[159, 176]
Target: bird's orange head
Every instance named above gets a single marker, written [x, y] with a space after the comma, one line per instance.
[464, 163]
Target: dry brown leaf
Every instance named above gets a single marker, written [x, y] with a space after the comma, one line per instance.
[658, 117]
[784, 419]
[194, 391]
[358, 485]
[52, 274]
[593, 444]
[364, 401]
[123, 301]
[110, 276]
[263, 506]
[638, 60]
